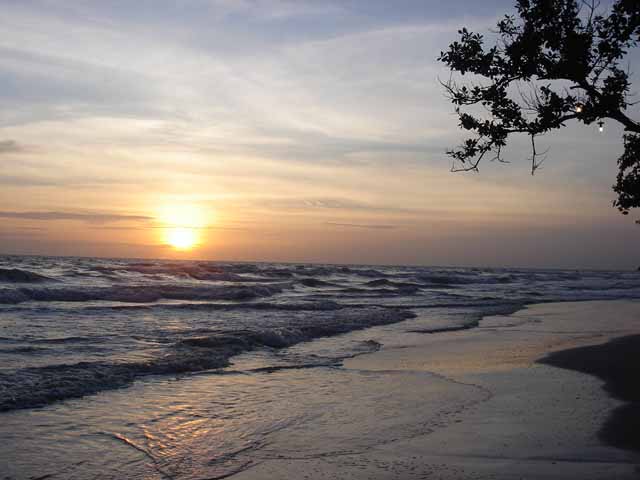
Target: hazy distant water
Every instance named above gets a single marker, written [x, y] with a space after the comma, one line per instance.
[76, 326]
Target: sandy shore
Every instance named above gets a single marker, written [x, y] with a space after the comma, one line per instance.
[529, 420]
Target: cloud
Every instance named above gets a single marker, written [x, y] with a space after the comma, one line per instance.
[23, 232]
[67, 181]
[165, 227]
[272, 100]
[333, 203]
[10, 146]
[361, 225]
[78, 216]
[25, 180]
[39, 85]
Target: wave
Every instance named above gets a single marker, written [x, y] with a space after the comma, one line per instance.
[314, 282]
[401, 285]
[610, 286]
[139, 293]
[328, 270]
[24, 349]
[62, 340]
[355, 349]
[187, 270]
[473, 320]
[369, 272]
[444, 278]
[453, 328]
[379, 292]
[38, 386]
[311, 306]
[324, 305]
[15, 275]
[154, 293]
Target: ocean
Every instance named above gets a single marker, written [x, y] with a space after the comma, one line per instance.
[115, 368]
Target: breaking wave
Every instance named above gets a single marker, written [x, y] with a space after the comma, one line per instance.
[33, 387]
[16, 275]
[139, 293]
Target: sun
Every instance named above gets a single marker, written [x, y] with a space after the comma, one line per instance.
[182, 238]
[183, 224]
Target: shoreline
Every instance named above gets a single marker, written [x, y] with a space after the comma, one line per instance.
[535, 420]
[472, 403]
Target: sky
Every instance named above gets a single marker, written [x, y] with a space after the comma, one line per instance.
[277, 131]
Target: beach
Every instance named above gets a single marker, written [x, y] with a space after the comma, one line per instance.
[531, 420]
[115, 368]
[319, 240]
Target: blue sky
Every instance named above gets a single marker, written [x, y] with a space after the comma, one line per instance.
[300, 131]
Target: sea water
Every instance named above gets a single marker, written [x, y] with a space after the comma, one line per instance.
[114, 368]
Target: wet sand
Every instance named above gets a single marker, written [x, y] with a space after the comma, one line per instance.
[527, 418]
[616, 363]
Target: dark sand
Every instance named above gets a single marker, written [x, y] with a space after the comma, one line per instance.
[615, 362]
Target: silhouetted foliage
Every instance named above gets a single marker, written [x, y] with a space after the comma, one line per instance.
[558, 60]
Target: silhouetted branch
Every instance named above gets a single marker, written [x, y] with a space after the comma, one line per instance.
[567, 53]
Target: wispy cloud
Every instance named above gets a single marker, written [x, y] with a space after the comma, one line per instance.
[88, 217]
[361, 225]
[10, 146]
[333, 203]
[78, 182]
[25, 180]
